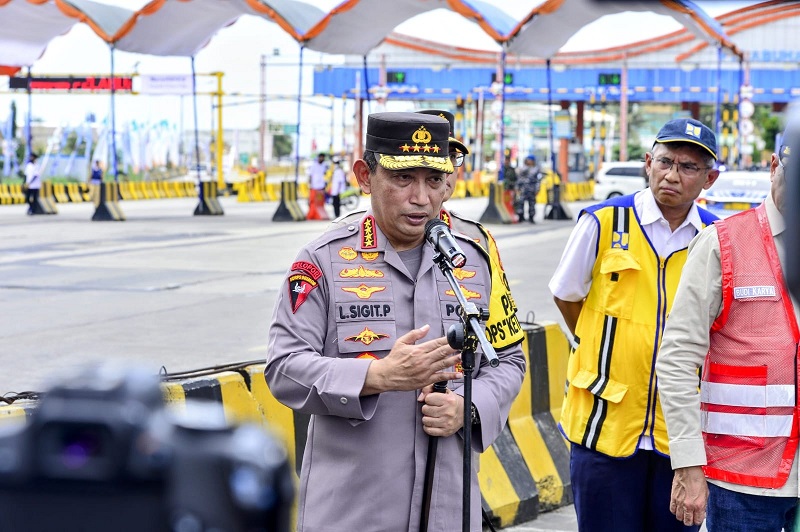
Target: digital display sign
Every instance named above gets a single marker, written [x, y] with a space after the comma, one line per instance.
[72, 83]
[395, 76]
[609, 78]
[508, 78]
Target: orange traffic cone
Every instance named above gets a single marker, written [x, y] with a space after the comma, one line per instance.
[508, 200]
[316, 205]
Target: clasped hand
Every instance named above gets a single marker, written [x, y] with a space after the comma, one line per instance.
[410, 366]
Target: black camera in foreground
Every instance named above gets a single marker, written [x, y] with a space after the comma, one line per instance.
[102, 452]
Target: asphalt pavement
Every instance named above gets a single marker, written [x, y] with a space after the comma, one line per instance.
[166, 289]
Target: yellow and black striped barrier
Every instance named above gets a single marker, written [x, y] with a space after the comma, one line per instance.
[526, 471]
[11, 195]
[209, 204]
[289, 210]
[106, 203]
[47, 199]
[496, 212]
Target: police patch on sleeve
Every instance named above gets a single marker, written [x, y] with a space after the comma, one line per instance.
[303, 278]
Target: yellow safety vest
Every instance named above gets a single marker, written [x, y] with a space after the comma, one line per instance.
[612, 399]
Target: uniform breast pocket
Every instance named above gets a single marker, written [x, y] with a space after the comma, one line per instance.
[619, 276]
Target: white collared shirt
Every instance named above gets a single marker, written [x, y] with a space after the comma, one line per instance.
[573, 276]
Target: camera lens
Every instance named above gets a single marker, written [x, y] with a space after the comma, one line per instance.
[80, 446]
[77, 450]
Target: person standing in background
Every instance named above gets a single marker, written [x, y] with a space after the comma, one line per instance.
[33, 183]
[527, 188]
[338, 186]
[97, 173]
[316, 173]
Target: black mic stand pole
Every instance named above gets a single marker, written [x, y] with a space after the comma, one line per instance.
[470, 335]
[430, 468]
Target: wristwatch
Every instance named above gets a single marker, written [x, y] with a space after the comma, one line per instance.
[476, 419]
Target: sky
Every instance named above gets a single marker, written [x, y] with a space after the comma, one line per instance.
[237, 49]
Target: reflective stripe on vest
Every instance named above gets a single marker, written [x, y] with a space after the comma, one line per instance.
[773, 395]
[748, 425]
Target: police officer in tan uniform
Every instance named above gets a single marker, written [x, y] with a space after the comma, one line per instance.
[502, 328]
[357, 341]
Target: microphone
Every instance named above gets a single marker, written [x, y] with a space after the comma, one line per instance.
[439, 235]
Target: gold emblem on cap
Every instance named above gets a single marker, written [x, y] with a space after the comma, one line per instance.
[398, 162]
[421, 136]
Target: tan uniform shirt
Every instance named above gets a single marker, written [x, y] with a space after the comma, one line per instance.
[347, 299]
[686, 341]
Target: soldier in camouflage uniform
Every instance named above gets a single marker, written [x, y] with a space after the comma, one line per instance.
[527, 189]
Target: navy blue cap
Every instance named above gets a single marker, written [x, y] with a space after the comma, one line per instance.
[530, 158]
[409, 140]
[447, 115]
[688, 130]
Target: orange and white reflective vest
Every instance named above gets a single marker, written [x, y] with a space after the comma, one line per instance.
[749, 408]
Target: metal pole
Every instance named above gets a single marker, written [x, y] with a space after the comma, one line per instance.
[262, 131]
[502, 129]
[196, 136]
[344, 128]
[220, 133]
[330, 149]
[113, 123]
[550, 132]
[739, 155]
[623, 110]
[366, 87]
[299, 110]
[717, 113]
[28, 119]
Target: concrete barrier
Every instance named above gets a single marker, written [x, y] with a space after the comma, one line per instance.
[106, 202]
[532, 458]
[289, 210]
[208, 204]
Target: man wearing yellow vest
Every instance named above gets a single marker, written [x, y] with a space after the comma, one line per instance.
[738, 322]
[614, 287]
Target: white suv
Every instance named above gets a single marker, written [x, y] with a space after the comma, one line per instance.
[619, 179]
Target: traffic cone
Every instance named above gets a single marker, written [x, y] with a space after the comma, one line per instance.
[316, 205]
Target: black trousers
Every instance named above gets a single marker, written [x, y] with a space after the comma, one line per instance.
[31, 197]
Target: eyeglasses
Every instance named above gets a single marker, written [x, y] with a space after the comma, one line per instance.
[690, 170]
[456, 158]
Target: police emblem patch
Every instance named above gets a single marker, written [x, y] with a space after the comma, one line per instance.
[468, 294]
[369, 256]
[460, 274]
[360, 273]
[348, 253]
[366, 336]
[363, 291]
[302, 283]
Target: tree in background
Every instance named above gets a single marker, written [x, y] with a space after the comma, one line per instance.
[281, 146]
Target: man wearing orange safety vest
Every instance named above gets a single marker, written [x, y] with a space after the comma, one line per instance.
[733, 317]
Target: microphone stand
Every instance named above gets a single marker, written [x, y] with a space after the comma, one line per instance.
[467, 339]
